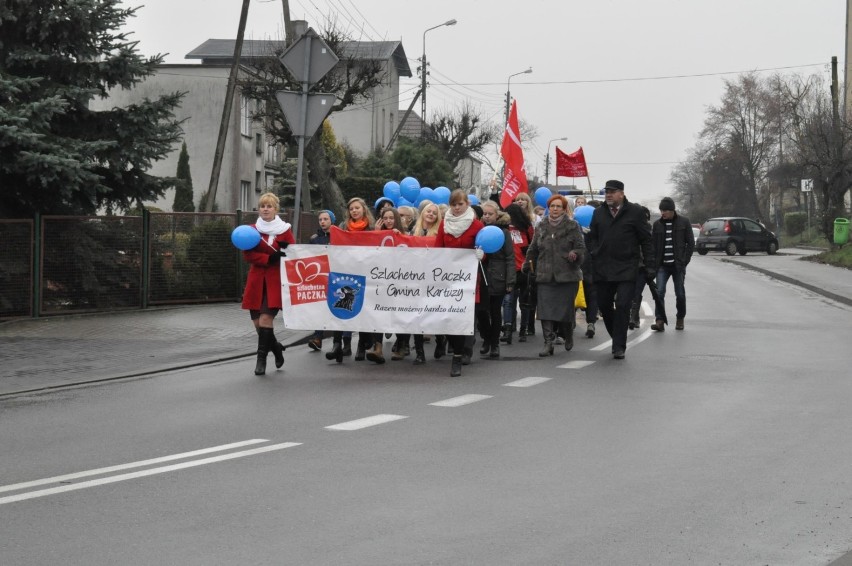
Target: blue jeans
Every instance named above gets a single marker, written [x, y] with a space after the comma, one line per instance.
[678, 276]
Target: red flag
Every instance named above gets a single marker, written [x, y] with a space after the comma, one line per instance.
[571, 164]
[514, 175]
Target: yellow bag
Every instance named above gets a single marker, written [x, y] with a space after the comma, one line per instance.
[580, 300]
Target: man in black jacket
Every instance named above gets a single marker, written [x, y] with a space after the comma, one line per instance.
[673, 246]
[620, 240]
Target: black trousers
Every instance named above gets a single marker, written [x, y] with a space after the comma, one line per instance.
[489, 316]
[614, 301]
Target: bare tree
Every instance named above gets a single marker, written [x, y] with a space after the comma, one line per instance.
[461, 132]
[743, 125]
[821, 140]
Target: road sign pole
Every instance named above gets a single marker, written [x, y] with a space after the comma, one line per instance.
[303, 120]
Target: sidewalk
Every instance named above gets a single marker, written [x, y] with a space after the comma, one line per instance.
[46, 353]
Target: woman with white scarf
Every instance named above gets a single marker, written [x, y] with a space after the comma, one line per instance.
[262, 295]
[458, 230]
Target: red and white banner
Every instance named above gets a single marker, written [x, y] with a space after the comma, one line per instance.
[514, 174]
[340, 237]
[399, 289]
[571, 164]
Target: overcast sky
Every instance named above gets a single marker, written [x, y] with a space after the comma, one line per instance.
[628, 80]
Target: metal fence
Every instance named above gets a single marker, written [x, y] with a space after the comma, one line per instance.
[72, 264]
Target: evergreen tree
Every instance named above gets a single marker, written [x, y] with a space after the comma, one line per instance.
[57, 155]
[183, 184]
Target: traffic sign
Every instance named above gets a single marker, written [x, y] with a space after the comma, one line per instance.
[318, 107]
[807, 185]
[321, 58]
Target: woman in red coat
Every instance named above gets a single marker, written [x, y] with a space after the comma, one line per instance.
[262, 295]
[458, 230]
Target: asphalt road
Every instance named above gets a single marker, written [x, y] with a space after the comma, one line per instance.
[727, 443]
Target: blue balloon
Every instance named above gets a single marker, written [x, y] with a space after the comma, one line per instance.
[409, 188]
[402, 201]
[583, 215]
[391, 190]
[473, 199]
[490, 239]
[441, 195]
[245, 237]
[426, 193]
[542, 194]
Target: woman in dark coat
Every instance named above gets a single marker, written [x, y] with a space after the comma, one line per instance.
[458, 230]
[262, 295]
[555, 255]
[498, 281]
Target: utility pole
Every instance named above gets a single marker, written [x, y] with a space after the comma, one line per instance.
[288, 24]
[226, 111]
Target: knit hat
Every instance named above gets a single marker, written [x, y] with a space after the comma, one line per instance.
[667, 204]
[330, 215]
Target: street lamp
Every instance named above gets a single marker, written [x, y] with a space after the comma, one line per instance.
[508, 89]
[547, 160]
[423, 74]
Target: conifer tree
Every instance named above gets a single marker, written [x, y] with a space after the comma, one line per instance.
[57, 155]
[183, 183]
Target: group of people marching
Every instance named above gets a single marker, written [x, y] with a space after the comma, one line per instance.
[538, 271]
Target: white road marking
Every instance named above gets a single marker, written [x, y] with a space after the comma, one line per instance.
[160, 460]
[527, 382]
[641, 338]
[576, 364]
[366, 422]
[461, 400]
[143, 473]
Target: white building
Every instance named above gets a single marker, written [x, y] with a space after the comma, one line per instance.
[248, 161]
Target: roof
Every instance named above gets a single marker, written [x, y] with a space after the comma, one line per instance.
[220, 51]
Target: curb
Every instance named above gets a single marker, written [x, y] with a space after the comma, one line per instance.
[792, 281]
[145, 373]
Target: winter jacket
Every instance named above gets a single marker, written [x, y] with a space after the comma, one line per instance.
[263, 277]
[466, 239]
[500, 265]
[618, 244]
[682, 238]
[549, 249]
[322, 238]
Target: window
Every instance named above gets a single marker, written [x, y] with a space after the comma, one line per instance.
[245, 116]
[257, 186]
[246, 197]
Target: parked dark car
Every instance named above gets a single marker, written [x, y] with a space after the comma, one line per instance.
[735, 235]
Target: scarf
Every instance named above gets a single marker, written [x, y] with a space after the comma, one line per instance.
[556, 222]
[456, 225]
[356, 225]
[271, 229]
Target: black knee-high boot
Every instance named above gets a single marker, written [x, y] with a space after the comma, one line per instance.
[263, 341]
[277, 349]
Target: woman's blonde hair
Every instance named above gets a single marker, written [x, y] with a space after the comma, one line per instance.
[270, 198]
[371, 222]
[528, 206]
[413, 212]
[433, 229]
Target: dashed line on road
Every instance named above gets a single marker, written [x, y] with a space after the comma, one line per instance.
[366, 422]
[143, 473]
[461, 400]
[526, 382]
[576, 364]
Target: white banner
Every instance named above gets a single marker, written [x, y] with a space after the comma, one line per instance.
[408, 290]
